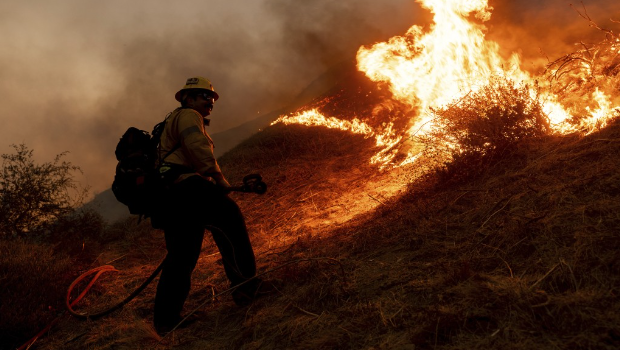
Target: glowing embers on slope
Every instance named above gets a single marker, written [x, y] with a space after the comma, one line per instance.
[385, 139]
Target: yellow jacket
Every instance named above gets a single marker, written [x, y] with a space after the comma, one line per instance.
[185, 131]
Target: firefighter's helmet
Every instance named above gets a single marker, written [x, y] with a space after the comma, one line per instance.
[197, 83]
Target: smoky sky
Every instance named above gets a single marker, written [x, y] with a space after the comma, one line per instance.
[544, 30]
[74, 74]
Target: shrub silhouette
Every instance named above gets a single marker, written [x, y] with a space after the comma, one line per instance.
[33, 195]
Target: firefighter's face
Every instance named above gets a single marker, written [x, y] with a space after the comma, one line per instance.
[203, 103]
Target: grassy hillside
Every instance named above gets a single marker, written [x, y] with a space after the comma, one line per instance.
[521, 254]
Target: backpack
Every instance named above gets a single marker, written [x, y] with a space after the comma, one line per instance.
[136, 182]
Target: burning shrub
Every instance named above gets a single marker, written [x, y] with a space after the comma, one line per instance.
[486, 125]
[587, 80]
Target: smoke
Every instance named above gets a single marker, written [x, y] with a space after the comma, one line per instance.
[75, 74]
[542, 31]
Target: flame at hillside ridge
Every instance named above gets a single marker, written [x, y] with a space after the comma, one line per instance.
[386, 139]
[429, 71]
[313, 117]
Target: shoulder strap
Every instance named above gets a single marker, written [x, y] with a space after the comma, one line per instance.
[170, 152]
[159, 129]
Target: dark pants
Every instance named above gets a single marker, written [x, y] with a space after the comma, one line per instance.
[191, 206]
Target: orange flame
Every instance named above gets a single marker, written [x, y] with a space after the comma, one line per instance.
[386, 139]
[314, 118]
[430, 70]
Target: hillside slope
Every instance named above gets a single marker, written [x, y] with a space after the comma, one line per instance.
[519, 255]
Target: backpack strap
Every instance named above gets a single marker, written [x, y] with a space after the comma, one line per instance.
[158, 130]
[173, 170]
[176, 147]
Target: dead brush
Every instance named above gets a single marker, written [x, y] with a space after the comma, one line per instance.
[576, 76]
[483, 127]
[35, 271]
[33, 279]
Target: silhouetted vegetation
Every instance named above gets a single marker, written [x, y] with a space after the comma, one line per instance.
[34, 195]
[45, 239]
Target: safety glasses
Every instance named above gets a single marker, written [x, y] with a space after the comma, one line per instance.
[207, 97]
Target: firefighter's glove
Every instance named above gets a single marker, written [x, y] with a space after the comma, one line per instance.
[254, 183]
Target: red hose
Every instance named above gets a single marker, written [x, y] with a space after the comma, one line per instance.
[99, 270]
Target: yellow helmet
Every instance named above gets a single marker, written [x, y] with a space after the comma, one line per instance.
[197, 83]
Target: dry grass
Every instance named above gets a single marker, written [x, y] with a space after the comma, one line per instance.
[520, 254]
[525, 254]
[25, 267]
[34, 273]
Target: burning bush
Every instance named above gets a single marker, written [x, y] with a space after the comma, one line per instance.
[587, 80]
[486, 125]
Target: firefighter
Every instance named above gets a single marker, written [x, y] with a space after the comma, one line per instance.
[197, 199]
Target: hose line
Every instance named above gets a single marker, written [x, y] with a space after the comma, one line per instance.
[99, 271]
